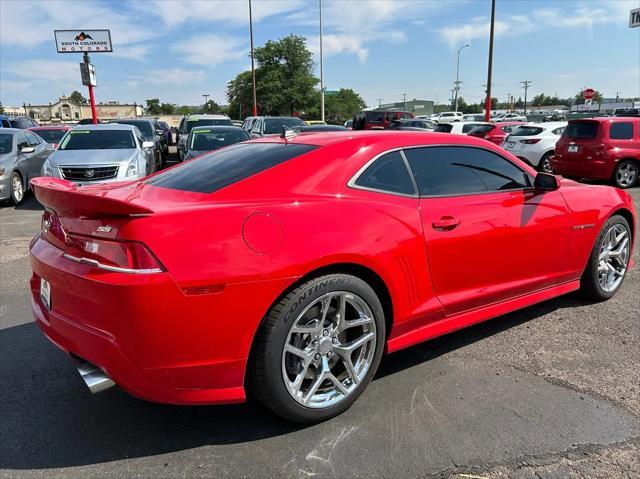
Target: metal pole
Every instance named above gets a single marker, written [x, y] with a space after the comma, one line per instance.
[321, 67]
[525, 84]
[487, 104]
[457, 82]
[404, 102]
[253, 69]
[92, 100]
[206, 99]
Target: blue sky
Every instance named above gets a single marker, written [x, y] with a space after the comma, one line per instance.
[178, 50]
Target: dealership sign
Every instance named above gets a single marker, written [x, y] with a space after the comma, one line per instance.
[80, 41]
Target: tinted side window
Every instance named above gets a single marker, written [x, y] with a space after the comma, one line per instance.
[21, 141]
[226, 166]
[6, 124]
[32, 139]
[454, 170]
[621, 131]
[387, 173]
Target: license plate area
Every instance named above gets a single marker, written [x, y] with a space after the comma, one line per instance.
[573, 149]
[510, 144]
[45, 293]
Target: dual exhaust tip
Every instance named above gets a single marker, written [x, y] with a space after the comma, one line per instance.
[94, 377]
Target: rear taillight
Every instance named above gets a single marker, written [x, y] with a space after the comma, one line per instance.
[119, 256]
[110, 255]
[532, 141]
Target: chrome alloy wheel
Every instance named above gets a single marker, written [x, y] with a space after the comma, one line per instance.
[16, 186]
[627, 174]
[613, 258]
[329, 349]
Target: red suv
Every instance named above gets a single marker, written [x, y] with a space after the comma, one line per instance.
[600, 148]
[495, 132]
[379, 119]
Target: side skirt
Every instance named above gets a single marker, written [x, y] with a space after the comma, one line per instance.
[468, 318]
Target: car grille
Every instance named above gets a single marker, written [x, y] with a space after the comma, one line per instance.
[88, 173]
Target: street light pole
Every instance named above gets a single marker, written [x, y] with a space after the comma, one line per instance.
[457, 82]
[253, 70]
[487, 103]
[321, 67]
[204, 106]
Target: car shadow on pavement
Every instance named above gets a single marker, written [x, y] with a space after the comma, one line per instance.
[30, 203]
[49, 419]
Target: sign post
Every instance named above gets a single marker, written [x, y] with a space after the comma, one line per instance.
[85, 41]
[588, 94]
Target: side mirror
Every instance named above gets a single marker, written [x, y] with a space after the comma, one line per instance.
[159, 132]
[147, 144]
[27, 149]
[546, 182]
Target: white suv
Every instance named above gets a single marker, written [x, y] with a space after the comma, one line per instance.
[535, 143]
[448, 117]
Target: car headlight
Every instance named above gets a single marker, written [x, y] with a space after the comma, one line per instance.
[47, 170]
[132, 168]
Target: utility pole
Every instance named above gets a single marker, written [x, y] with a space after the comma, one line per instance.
[253, 69]
[453, 90]
[617, 96]
[380, 102]
[487, 103]
[206, 99]
[321, 67]
[525, 85]
[457, 82]
[509, 102]
[404, 102]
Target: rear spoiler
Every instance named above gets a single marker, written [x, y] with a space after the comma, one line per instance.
[67, 199]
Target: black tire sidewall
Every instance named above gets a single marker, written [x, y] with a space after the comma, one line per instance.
[13, 198]
[590, 284]
[281, 401]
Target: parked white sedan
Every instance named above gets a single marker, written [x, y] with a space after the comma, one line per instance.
[509, 117]
[535, 143]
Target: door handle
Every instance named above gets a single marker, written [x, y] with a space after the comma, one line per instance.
[446, 223]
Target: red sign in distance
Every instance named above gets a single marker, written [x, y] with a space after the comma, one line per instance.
[588, 93]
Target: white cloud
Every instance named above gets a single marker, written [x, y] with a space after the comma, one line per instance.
[336, 44]
[58, 71]
[177, 12]
[133, 52]
[210, 49]
[479, 27]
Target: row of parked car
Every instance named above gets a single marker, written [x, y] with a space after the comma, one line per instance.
[128, 149]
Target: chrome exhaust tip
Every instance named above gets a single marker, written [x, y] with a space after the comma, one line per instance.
[95, 379]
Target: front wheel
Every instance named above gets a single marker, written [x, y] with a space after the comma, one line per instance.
[609, 260]
[17, 188]
[319, 348]
[626, 174]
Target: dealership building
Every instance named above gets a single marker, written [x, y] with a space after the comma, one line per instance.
[417, 107]
[65, 110]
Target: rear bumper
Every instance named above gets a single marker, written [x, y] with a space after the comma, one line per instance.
[154, 340]
[599, 170]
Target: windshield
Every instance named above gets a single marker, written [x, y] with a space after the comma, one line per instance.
[98, 140]
[51, 136]
[527, 131]
[581, 130]
[274, 125]
[6, 142]
[143, 126]
[205, 140]
[207, 122]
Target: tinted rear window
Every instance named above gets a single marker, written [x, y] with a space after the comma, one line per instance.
[468, 127]
[621, 131]
[274, 125]
[51, 136]
[581, 130]
[444, 128]
[143, 126]
[207, 122]
[527, 131]
[478, 130]
[224, 167]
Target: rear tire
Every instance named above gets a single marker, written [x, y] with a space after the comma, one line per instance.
[16, 188]
[303, 366]
[625, 174]
[545, 163]
[608, 262]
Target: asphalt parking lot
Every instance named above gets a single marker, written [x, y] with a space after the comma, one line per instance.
[549, 391]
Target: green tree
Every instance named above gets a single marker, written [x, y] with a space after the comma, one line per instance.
[339, 106]
[77, 98]
[1, 108]
[211, 107]
[153, 106]
[184, 110]
[167, 109]
[284, 79]
[540, 99]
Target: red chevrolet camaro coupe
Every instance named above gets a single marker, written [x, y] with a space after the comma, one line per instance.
[286, 267]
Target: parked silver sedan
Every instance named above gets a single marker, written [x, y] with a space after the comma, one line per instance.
[22, 154]
[90, 154]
